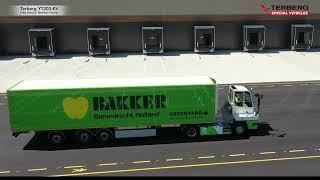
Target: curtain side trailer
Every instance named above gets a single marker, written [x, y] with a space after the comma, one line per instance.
[105, 109]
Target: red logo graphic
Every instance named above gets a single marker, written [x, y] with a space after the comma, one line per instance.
[286, 10]
[265, 9]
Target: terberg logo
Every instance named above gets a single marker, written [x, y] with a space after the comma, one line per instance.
[129, 102]
[75, 108]
[286, 10]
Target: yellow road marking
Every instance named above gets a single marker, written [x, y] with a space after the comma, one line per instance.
[189, 165]
[39, 169]
[108, 164]
[177, 159]
[139, 162]
[206, 157]
[232, 155]
[4, 172]
[79, 170]
[267, 153]
[72, 167]
[297, 150]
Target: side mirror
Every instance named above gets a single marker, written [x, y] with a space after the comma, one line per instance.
[258, 95]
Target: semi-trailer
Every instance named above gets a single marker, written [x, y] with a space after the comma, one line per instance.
[107, 109]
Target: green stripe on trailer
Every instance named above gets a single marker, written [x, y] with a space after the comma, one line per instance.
[81, 108]
[210, 130]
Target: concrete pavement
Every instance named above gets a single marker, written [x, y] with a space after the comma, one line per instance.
[225, 66]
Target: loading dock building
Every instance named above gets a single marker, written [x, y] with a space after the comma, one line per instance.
[151, 26]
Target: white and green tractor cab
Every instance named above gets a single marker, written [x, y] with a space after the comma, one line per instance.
[240, 113]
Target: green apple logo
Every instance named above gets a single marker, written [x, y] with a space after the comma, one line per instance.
[75, 108]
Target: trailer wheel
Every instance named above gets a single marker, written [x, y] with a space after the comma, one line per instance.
[191, 132]
[56, 137]
[84, 136]
[104, 136]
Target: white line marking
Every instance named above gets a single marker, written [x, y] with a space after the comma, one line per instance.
[270, 86]
[288, 85]
[206, 157]
[108, 164]
[253, 86]
[297, 150]
[72, 167]
[40, 169]
[177, 159]
[304, 84]
[233, 155]
[164, 68]
[4, 172]
[140, 162]
[317, 84]
[267, 153]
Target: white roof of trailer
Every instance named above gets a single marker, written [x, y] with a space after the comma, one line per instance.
[112, 82]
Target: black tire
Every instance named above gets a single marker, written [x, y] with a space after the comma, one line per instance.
[191, 132]
[56, 137]
[239, 129]
[84, 136]
[104, 136]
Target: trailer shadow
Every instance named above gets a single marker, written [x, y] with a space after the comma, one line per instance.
[168, 136]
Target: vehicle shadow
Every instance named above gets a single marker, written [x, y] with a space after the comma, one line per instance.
[167, 136]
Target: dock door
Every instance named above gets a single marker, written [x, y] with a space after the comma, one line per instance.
[253, 37]
[98, 41]
[152, 40]
[204, 38]
[301, 36]
[41, 42]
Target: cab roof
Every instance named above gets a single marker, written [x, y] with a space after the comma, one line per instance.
[239, 88]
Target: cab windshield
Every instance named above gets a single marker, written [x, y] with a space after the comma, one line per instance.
[242, 98]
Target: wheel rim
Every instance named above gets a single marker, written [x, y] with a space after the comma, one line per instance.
[192, 132]
[104, 136]
[84, 137]
[56, 138]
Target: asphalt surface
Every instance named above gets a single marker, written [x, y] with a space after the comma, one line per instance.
[288, 146]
